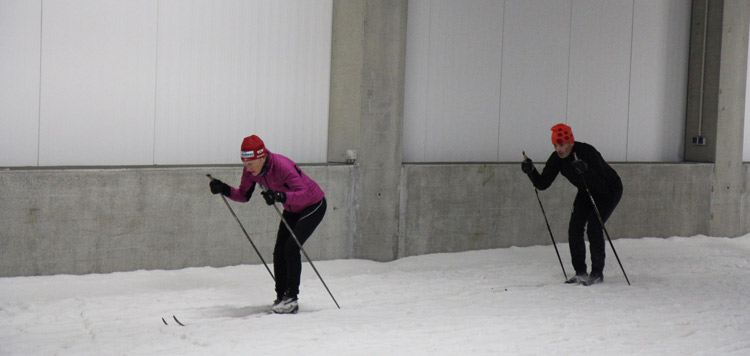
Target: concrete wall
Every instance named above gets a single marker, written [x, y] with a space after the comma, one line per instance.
[464, 207]
[77, 221]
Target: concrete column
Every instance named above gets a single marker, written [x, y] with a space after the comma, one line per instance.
[367, 102]
[346, 78]
[716, 104]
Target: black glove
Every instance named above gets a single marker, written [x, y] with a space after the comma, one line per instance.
[580, 166]
[271, 197]
[527, 166]
[218, 186]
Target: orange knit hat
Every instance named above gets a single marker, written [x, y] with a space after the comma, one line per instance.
[562, 134]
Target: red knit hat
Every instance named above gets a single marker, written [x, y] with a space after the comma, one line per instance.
[252, 149]
[562, 134]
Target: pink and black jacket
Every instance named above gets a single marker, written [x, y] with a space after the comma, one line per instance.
[281, 174]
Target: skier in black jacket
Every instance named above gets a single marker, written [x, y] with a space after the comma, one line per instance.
[575, 160]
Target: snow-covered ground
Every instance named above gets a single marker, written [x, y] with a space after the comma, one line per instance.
[689, 296]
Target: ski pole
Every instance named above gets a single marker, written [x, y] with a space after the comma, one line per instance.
[243, 230]
[548, 228]
[303, 250]
[601, 221]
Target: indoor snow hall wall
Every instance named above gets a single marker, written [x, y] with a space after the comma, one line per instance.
[78, 221]
[458, 207]
[99, 220]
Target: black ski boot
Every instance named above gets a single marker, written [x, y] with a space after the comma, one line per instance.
[287, 305]
[579, 278]
[278, 300]
[594, 278]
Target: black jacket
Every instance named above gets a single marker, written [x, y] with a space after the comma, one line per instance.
[600, 178]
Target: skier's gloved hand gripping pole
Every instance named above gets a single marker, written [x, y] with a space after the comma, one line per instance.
[527, 171]
[270, 193]
[580, 168]
[243, 230]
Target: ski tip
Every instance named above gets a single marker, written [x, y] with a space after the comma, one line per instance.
[178, 322]
[164, 321]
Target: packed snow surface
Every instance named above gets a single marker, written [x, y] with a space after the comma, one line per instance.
[689, 296]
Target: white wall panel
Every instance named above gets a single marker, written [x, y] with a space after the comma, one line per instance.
[97, 92]
[746, 136]
[615, 70]
[20, 27]
[600, 74]
[177, 82]
[658, 99]
[535, 76]
[416, 84]
[464, 80]
[228, 69]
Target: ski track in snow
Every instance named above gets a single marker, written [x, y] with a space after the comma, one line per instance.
[689, 296]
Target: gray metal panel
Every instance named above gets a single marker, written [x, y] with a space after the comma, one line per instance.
[463, 90]
[614, 70]
[598, 89]
[97, 73]
[416, 85]
[168, 82]
[230, 69]
[746, 133]
[658, 84]
[19, 82]
[535, 76]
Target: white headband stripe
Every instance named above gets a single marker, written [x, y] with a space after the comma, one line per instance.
[247, 154]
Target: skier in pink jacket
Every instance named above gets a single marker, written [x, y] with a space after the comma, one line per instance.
[304, 207]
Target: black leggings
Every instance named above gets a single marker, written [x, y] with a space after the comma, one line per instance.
[287, 263]
[583, 214]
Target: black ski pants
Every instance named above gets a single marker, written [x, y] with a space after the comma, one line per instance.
[287, 263]
[583, 215]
